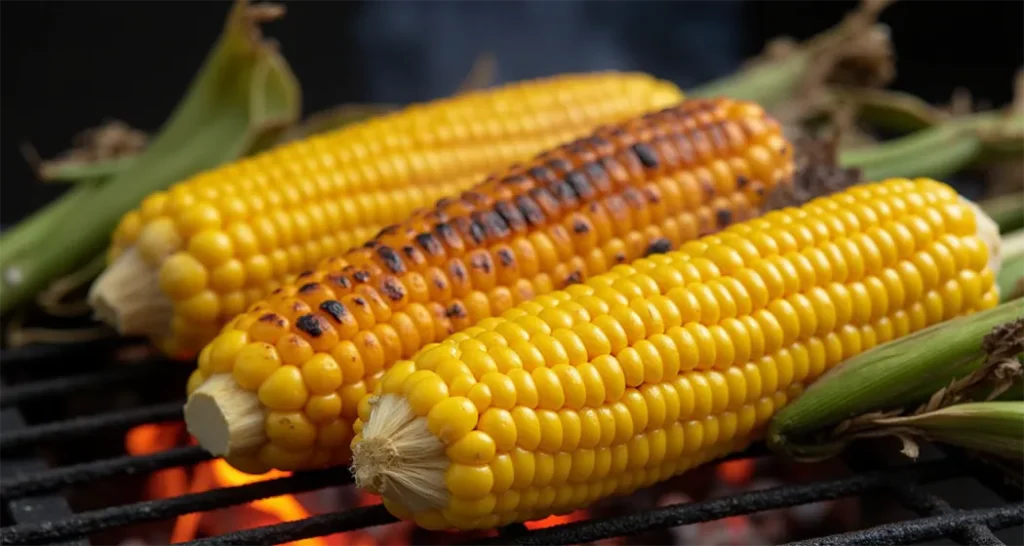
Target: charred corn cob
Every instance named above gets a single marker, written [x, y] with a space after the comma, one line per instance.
[660, 365]
[280, 386]
[191, 258]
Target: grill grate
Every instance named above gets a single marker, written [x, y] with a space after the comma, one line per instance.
[35, 513]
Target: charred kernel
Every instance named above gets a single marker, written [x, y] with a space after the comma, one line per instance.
[530, 210]
[391, 259]
[335, 309]
[429, 244]
[310, 324]
[658, 246]
[308, 287]
[646, 154]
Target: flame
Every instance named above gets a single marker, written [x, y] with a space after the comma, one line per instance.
[737, 472]
[551, 521]
[173, 482]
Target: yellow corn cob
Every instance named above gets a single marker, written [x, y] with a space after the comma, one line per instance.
[280, 386]
[658, 366]
[191, 258]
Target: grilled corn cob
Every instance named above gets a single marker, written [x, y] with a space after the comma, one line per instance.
[280, 386]
[658, 366]
[191, 258]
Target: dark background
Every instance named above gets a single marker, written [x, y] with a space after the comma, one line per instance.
[70, 65]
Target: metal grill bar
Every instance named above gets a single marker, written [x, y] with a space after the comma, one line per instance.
[741, 504]
[81, 426]
[18, 394]
[40, 508]
[914, 498]
[931, 528]
[49, 480]
[37, 354]
[156, 510]
[316, 526]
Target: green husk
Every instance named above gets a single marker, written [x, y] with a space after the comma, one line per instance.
[1006, 210]
[242, 98]
[995, 427]
[1010, 279]
[890, 377]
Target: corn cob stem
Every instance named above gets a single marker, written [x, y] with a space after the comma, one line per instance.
[243, 92]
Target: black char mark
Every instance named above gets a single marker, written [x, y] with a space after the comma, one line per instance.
[580, 185]
[391, 259]
[335, 309]
[310, 324]
[530, 210]
[429, 244]
[511, 215]
[646, 154]
[660, 245]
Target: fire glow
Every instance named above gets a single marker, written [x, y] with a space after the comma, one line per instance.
[173, 482]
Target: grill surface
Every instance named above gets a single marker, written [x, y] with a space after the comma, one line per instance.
[36, 512]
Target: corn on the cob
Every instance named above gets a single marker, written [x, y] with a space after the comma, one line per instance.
[660, 365]
[191, 258]
[280, 386]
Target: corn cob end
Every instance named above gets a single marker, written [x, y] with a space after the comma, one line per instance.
[127, 297]
[225, 418]
[396, 454]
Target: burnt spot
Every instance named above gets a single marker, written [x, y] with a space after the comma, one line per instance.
[576, 147]
[429, 244]
[542, 174]
[718, 137]
[275, 319]
[529, 209]
[560, 165]
[393, 289]
[515, 180]
[358, 300]
[634, 198]
[308, 287]
[335, 309]
[458, 270]
[475, 198]
[707, 186]
[565, 193]
[440, 282]
[409, 251]
[646, 154]
[511, 215]
[447, 235]
[652, 196]
[370, 244]
[389, 230]
[305, 273]
[573, 278]
[598, 176]
[477, 231]
[660, 245]
[505, 256]
[724, 216]
[620, 258]
[684, 148]
[310, 324]
[759, 190]
[391, 259]
[481, 261]
[456, 310]
[494, 224]
[340, 280]
[599, 143]
[545, 200]
[580, 226]
[361, 276]
[619, 132]
[580, 185]
[742, 181]
[277, 291]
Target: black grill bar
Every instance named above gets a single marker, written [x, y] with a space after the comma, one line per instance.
[59, 386]
[41, 354]
[54, 479]
[81, 426]
[156, 510]
[316, 526]
[916, 499]
[919, 530]
[37, 509]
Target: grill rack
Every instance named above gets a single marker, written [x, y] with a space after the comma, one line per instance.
[36, 513]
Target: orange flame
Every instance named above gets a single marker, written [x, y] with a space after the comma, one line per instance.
[551, 521]
[173, 482]
[736, 472]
